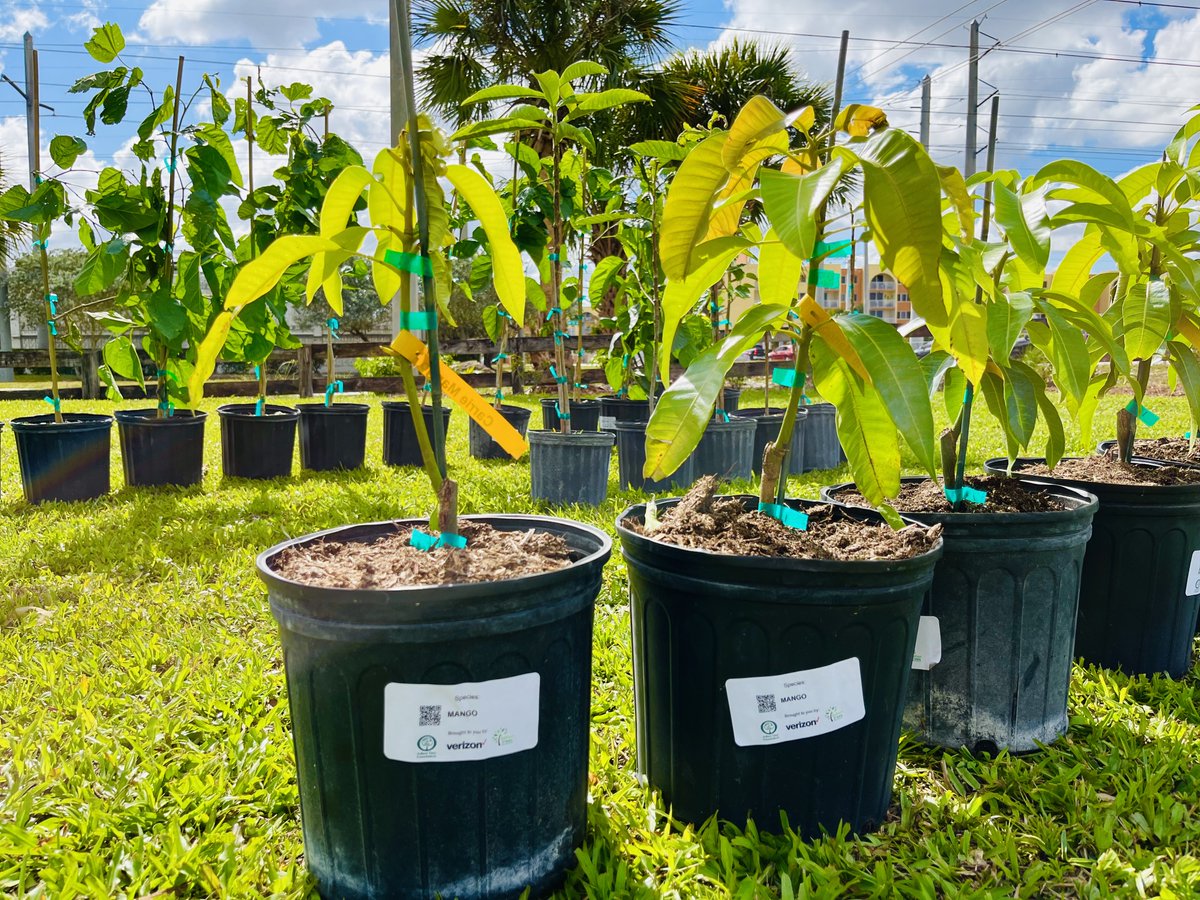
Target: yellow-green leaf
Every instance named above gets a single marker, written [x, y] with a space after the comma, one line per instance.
[779, 271]
[262, 273]
[757, 119]
[1076, 266]
[206, 356]
[688, 206]
[1145, 318]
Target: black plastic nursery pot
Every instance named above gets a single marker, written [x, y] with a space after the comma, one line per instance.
[1004, 597]
[333, 437]
[400, 446]
[768, 422]
[729, 399]
[1139, 593]
[812, 657]
[822, 449]
[1105, 446]
[481, 444]
[254, 446]
[66, 460]
[398, 797]
[570, 468]
[620, 409]
[162, 451]
[585, 415]
[631, 459]
[726, 449]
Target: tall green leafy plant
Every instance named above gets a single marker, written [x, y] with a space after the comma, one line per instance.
[859, 363]
[553, 116]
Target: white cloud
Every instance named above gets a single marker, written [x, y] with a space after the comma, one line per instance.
[266, 23]
[14, 24]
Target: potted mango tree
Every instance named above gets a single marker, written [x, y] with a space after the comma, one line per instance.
[772, 639]
[566, 466]
[470, 662]
[995, 669]
[1139, 597]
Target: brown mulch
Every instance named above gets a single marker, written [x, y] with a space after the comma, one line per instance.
[1003, 495]
[1103, 470]
[390, 562]
[703, 521]
[1168, 448]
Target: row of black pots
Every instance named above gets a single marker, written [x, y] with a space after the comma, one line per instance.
[707, 631]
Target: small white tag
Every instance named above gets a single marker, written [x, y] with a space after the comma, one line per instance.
[1192, 588]
[776, 708]
[456, 722]
[929, 644]
[608, 423]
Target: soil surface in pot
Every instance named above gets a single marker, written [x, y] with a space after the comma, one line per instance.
[703, 521]
[391, 562]
[1169, 448]
[1102, 470]
[1003, 495]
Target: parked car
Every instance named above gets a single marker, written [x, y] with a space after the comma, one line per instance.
[786, 353]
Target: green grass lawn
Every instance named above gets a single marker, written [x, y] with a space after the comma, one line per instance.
[145, 743]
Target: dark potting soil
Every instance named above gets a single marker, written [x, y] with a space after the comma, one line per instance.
[1168, 448]
[702, 521]
[390, 562]
[1003, 495]
[1103, 470]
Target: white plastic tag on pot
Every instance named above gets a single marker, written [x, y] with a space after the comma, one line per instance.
[608, 423]
[929, 644]
[459, 722]
[774, 709]
[1192, 588]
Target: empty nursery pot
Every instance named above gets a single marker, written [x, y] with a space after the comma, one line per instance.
[66, 460]
[254, 446]
[333, 437]
[570, 468]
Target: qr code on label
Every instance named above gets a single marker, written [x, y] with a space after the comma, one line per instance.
[766, 703]
[431, 715]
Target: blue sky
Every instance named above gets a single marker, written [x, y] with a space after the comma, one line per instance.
[1107, 81]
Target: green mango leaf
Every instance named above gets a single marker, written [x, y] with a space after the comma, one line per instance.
[1089, 186]
[1006, 318]
[934, 366]
[901, 202]
[1026, 224]
[503, 92]
[992, 387]
[603, 100]
[1145, 318]
[508, 274]
[684, 410]
[953, 389]
[688, 206]
[107, 41]
[1068, 353]
[712, 262]
[793, 202]
[1185, 364]
[606, 271]
[955, 188]
[864, 428]
[757, 119]
[779, 271]
[122, 358]
[1076, 266]
[1020, 402]
[263, 273]
[1056, 439]
[663, 151]
[64, 150]
[534, 295]
[896, 374]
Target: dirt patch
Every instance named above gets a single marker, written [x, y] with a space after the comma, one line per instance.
[1003, 495]
[702, 521]
[390, 562]
[1168, 448]
[1103, 470]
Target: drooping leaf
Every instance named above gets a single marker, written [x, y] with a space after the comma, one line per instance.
[1056, 439]
[793, 202]
[955, 188]
[583, 68]
[867, 434]
[779, 271]
[758, 118]
[602, 278]
[684, 410]
[1068, 354]
[1006, 319]
[1026, 224]
[688, 206]
[896, 374]
[1145, 318]
[1020, 401]
[102, 267]
[508, 275]
[610, 99]
[122, 358]
[261, 274]
[902, 207]
[1186, 365]
[503, 92]
[64, 150]
[107, 41]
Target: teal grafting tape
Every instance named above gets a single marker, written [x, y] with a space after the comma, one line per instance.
[969, 494]
[259, 405]
[785, 514]
[499, 356]
[53, 327]
[420, 320]
[724, 415]
[784, 377]
[553, 311]
[53, 401]
[560, 413]
[334, 325]
[415, 263]
[445, 540]
[1145, 416]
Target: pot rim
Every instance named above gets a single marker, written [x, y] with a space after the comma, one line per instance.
[1088, 503]
[1117, 490]
[247, 411]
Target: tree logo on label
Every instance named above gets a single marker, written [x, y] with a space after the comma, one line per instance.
[426, 742]
[769, 727]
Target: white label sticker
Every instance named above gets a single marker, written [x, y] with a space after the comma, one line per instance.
[929, 644]
[1192, 588]
[608, 423]
[457, 722]
[778, 708]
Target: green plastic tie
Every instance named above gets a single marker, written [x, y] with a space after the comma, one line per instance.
[334, 325]
[560, 413]
[561, 379]
[335, 388]
[53, 401]
[1145, 416]
[259, 405]
[499, 356]
[418, 320]
[52, 299]
[785, 514]
[417, 263]
[784, 377]
[445, 540]
[724, 415]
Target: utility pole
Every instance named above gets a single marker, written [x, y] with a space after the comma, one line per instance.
[972, 101]
[926, 94]
[33, 129]
[399, 117]
[991, 164]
